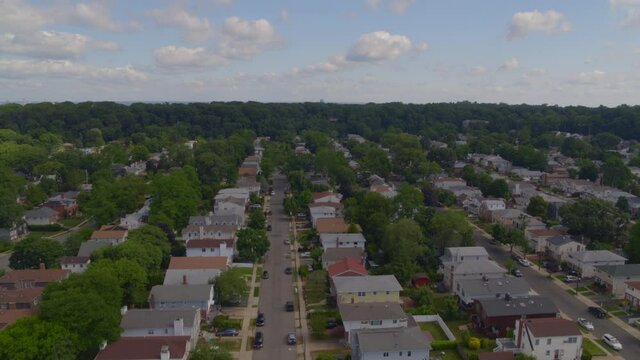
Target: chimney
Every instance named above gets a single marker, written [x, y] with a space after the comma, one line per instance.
[184, 279]
[165, 354]
[178, 327]
[42, 267]
[123, 310]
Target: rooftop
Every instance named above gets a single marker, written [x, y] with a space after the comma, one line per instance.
[371, 311]
[209, 243]
[180, 292]
[499, 286]
[516, 307]
[626, 270]
[482, 266]
[156, 318]
[8, 317]
[90, 246]
[560, 240]
[545, 232]
[332, 237]
[337, 254]
[633, 284]
[38, 275]
[549, 327]
[332, 225]
[74, 260]
[595, 256]
[108, 234]
[396, 339]
[318, 195]
[27, 295]
[347, 264]
[198, 262]
[144, 348]
[349, 284]
[40, 212]
[467, 251]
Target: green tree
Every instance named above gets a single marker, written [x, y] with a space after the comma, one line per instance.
[131, 276]
[30, 252]
[632, 249]
[615, 173]
[73, 242]
[252, 244]
[31, 338]
[256, 219]
[175, 198]
[408, 200]
[588, 170]
[537, 206]
[139, 153]
[499, 232]
[594, 218]
[623, 204]
[450, 228]
[403, 244]
[93, 137]
[231, 286]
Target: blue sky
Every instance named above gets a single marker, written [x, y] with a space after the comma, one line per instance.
[556, 52]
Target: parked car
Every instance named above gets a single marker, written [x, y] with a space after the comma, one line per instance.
[272, 193]
[305, 255]
[597, 312]
[265, 274]
[291, 338]
[523, 262]
[571, 278]
[585, 324]
[255, 206]
[331, 323]
[260, 319]
[258, 340]
[287, 242]
[516, 272]
[269, 227]
[612, 342]
[309, 267]
[515, 257]
[287, 270]
[288, 306]
[227, 332]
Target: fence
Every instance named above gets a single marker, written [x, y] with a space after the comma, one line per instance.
[437, 319]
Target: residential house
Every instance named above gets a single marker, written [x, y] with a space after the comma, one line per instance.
[385, 190]
[377, 315]
[113, 234]
[365, 289]
[160, 322]
[585, 262]
[230, 205]
[192, 232]
[375, 180]
[537, 237]
[63, 203]
[216, 219]
[182, 297]
[13, 233]
[340, 240]
[247, 170]
[333, 225]
[488, 206]
[25, 298]
[496, 162]
[447, 183]
[75, 264]
[470, 262]
[515, 219]
[250, 183]
[136, 219]
[90, 246]
[356, 138]
[233, 192]
[520, 188]
[497, 316]
[326, 197]
[325, 210]
[398, 343]
[614, 277]
[32, 278]
[196, 270]
[346, 267]
[8, 317]
[632, 294]
[334, 255]
[147, 348]
[211, 247]
[458, 166]
[470, 290]
[559, 246]
[41, 216]
[527, 175]
[545, 339]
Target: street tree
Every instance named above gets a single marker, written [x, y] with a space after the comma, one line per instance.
[31, 338]
[231, 286]
[32, 251]
[537, 206]
[252, 244]
[450, 228]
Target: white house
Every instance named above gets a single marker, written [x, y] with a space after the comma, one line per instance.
[323, 211]
[397, 343]
[211, 247]
[585, 261]
[385, 190]
[559, 246]
[378, 315]
[632, 294]
[41, 216]
[239, 193]
[217, 219]
[230, 205]
[470, 290]
[537, 237]
[75, 264]
[195, 270]
[342, 240]
[548, 339]
[138, 218]
[327, 196]
[182, 297]
[448, 183]
[614, 277]
[488, 206]
[155, 322]
[470, 262]
[192, 232]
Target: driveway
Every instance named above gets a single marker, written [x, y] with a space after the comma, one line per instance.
[567, 303]
[278, 289]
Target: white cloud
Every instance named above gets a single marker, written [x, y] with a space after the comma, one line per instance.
[181, 57]
[478, 70]
[284, 15]
[372, 4]
[243, 39]
[17, 16]
[51, 44]
[509, 65]
[378, 46]
[589, 77]
[65, 68]
[94, 15]
[223, 2]
[630, 12]
[549, 22]
[194, 29]
[400, 6]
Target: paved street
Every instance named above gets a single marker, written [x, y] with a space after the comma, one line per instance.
[567, 303]
[278, 289]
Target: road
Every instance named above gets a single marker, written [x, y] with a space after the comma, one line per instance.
[278, 289]
[567, 303]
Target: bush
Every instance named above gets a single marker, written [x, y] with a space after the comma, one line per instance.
[51, 227]
[472, 356]
[466, 336]
[586, 354]
[473, 343]
[5, 246]
[484, 343]
[444, 345]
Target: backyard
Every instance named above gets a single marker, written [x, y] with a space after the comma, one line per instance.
[316, 287]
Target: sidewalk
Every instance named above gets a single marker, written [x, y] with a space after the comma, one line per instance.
[249, 313]
[303, 348]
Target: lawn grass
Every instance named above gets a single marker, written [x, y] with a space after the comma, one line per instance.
[228, 345]
[318, 323]
[571, 291]
[454, 327]
[247, 271]
[333, 352]
[316, 287]
[449, 354]
[434, 329]
[71, 222]
[599, 341]
[256, 291]
[588, 345]
[223, 321]
[43, 234]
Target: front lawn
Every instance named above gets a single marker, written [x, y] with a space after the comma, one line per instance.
[592, 348]
[318, 323]
[228, 345]
[256, 291]
[449, 354]
[316, 287]
[223, 321]
[339, 352]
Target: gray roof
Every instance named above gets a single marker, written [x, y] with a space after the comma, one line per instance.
[154, 318]
[559, 240]
[338, 254]
[371, 311]
[467, 251]
[595, 256]
[90, 246]
[478, 287]
[395, 339]
[508, 213]
[627, 270]
[170, 293]
[478, 267]
[515, 307]
[43, 212]
[332, 237]
[350, 284]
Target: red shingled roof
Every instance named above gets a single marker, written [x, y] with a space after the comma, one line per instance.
[198, 262]
[131, 348]
[8, 317]
[39, 275]
[549, 327]
[348, 266]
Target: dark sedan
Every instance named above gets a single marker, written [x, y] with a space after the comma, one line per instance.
[228, 332]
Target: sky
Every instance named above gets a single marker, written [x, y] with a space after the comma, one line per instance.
[565, 52]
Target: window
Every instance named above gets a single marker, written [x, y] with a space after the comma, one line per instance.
[375, 322]
[150, 332]
[408, 353]
[203, 250]
[537, 341]
[375, 293]
[361, 293]
[549, 341]
[385, 354]
[400, 353]
[572, 340]
[388, 292]
[547, 353]
[395, 321]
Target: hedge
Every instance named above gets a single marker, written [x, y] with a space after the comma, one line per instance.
[51, 227]
[444, 345]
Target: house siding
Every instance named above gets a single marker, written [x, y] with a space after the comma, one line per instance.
[377, 296]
